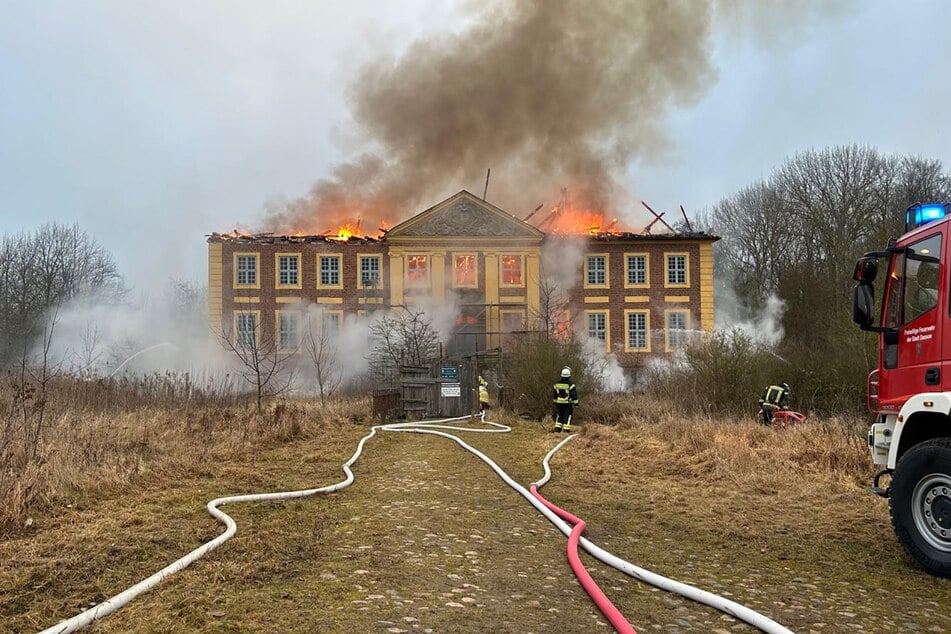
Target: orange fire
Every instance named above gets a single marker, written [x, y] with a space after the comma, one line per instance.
[566, 218]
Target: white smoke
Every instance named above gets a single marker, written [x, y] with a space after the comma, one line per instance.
[603, 366]
[761, 326]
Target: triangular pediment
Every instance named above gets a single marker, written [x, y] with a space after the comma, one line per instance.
[464, 216]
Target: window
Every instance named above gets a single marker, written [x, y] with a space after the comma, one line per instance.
[597, 322]
[417, 271]
[288, 330]
[921, 277]
[288, 270]
[328, 271]
[369, 271]
[246, 329]
[512, 270]
[560, 326]
[330, 321]
[464, 270]
[596, 271]
[637, 331]
[246, 270]
[636, 268]
[677, 321]
[512, 320]
[676, 273]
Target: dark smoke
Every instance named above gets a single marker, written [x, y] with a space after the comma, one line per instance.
[546, 93]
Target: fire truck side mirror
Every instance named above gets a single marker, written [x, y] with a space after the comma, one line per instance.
[866, 270]
[863, 305]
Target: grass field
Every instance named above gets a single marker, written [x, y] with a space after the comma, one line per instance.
[429, 539]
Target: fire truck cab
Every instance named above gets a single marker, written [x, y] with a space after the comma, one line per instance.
[910, 391]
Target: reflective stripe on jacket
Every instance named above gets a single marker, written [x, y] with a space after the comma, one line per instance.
[775, 395]
[564, 393]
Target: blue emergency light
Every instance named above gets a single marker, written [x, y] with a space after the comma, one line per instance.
[918, 215]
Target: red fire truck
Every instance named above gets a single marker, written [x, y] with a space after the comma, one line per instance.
[910, 392]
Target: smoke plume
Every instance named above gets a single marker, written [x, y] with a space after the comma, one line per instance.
[545, 93]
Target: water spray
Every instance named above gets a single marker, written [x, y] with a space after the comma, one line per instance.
[143, 351]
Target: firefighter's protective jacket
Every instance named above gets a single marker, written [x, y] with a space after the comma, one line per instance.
[775, 395]
[564, 393]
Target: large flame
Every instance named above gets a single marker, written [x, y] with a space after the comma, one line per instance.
[569, 218]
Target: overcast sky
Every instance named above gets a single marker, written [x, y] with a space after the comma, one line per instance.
[152, 124]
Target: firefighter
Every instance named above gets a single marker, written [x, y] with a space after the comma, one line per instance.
[483, 395]
[565, 398]
[774, 398]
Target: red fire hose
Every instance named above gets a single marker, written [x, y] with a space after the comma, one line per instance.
[597, 595]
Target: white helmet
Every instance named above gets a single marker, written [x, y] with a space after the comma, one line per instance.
[565, 372]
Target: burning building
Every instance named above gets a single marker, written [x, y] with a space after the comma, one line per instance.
[635, 294]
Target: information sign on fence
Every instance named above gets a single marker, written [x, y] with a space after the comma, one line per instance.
[449, 373]
[450, 389]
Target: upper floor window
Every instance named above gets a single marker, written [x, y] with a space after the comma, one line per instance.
[636, 265]
[512, 270]
[369, 271]
[246, 270]
[637, 329]
[288, 330]
[677, 324]
[417, 270]
[464, 270]
[676, 273]
[288, 271]
[596, 270]
[328, 271]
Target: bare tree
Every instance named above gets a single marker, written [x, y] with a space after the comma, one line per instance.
[262, 362]
[321, 348]
[553, 302]
[47, 268]
[404, 337]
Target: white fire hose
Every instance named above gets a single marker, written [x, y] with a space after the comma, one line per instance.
[695, 594]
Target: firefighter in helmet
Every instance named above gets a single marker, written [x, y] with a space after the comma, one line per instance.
[483, 395]
[774, 398]
[565, 398]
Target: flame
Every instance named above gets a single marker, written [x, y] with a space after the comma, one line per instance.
[567, 218]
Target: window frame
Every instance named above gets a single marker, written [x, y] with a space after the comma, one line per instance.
[647, 270]
[418, 284]
[325, 314]
[667, 270]
[520, 257]
[237, 339]
[277, 271]
[278, 315]
[647, 330]
[518, 312]
[361, 258]
[330, 256]
[257, 270]
[667, 329]
[587, 270]
[475, 268]
[606, 313]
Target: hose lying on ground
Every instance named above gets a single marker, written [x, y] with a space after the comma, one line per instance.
[431, 427]
[600, 599]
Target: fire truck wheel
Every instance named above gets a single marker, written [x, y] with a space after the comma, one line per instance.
[920, 502]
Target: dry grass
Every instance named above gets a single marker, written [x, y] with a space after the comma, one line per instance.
[774, 519]
[101, 436]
